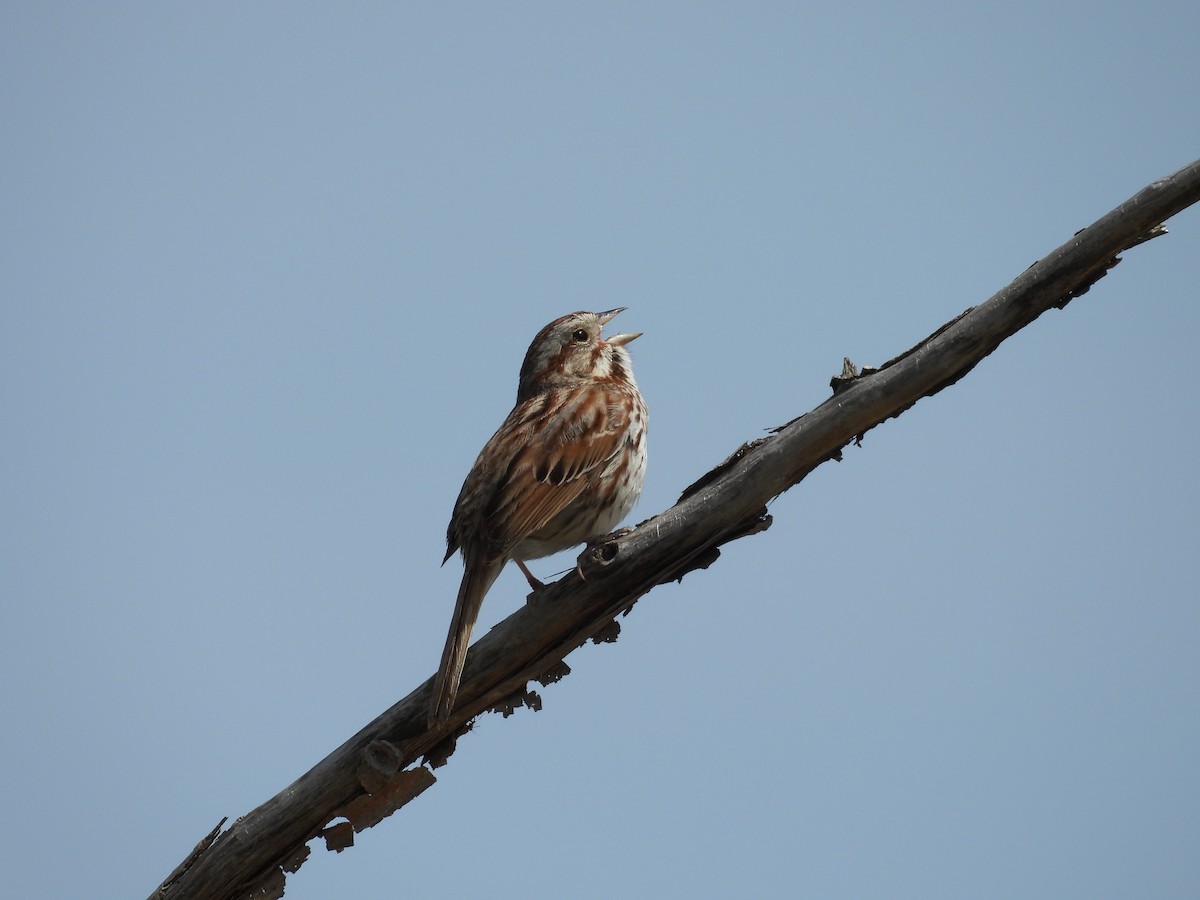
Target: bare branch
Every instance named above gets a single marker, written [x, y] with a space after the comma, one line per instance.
[375, 772]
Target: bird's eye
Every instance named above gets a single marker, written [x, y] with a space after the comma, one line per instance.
[579, 336]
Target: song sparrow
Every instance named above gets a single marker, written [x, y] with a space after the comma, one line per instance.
[566, 465]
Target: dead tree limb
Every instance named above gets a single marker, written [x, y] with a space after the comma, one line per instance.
[378, 770]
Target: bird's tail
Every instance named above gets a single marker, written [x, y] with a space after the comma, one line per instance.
[475, 583]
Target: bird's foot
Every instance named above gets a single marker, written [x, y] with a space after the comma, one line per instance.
[611, 536]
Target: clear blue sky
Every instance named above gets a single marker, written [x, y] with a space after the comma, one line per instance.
[268, 271]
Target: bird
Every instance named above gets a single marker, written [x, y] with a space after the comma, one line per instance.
[565, 467]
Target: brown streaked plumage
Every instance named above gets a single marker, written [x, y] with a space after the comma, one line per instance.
[565, 466]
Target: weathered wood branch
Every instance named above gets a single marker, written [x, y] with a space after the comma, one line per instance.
[377, 771]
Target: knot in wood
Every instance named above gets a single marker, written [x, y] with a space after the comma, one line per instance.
[596, 559]
[380, 761]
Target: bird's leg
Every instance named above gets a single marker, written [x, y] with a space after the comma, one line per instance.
[533, 582]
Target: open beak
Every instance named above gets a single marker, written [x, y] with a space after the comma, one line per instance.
[617, 340]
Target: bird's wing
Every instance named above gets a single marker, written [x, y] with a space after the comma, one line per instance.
[575, 431]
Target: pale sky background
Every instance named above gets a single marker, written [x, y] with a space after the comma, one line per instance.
[268, 272]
